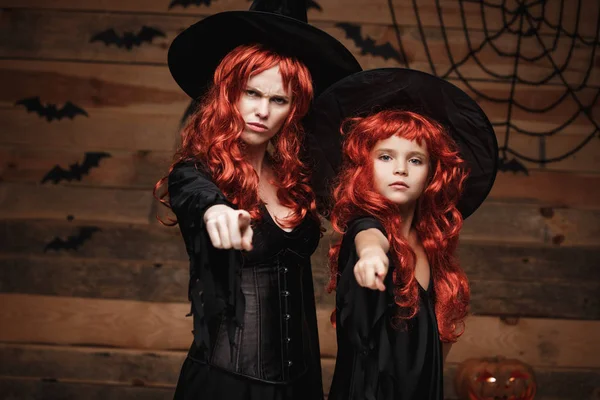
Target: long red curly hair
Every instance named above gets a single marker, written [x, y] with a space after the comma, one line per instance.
[437, 220]
[212, 135]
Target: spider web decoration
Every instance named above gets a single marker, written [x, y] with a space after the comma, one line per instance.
[530, 26]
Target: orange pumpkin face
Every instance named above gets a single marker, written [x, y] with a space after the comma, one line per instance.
[495, 379]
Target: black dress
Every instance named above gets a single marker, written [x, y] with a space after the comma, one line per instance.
[255, 324]
[374, 359]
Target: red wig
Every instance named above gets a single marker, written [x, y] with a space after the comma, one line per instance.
[437, 220]
[212, 134]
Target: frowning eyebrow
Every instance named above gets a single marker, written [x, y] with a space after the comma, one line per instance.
[283, 96]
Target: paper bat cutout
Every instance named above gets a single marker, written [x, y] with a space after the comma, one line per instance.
[309, 4]
[128, 39]
[313, 4]
[75, 171]
[186, 3]
[73, 242]
[367, 45]
[50, 111]
[513, 165]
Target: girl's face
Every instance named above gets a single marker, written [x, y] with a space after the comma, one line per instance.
[264, 106]
[400, 170]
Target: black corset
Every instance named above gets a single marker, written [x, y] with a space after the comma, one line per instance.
[272, 345]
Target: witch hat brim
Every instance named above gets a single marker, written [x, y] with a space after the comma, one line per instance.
[371, 91]
[196, 52]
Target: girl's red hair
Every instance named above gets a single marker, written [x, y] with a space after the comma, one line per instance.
[437, 220]
[212, 134]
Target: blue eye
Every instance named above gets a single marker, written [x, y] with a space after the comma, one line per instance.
[251, 93]
[385, 157]
[416, 161]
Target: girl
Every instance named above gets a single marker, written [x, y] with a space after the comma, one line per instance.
[247, 216]
[400, 289]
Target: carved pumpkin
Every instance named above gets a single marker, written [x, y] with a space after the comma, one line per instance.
[496, 378]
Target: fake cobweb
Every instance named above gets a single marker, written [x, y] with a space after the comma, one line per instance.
[537, 43]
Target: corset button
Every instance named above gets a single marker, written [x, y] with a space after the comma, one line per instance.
[287, 316]
[289, 363]
[285, 293]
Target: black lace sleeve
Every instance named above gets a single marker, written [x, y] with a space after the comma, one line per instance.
[215, 275]
[191, 193]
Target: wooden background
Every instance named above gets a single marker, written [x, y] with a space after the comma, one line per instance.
[106, 319]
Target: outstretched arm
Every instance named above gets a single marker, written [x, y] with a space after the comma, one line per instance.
[197, 201]
[372, 266]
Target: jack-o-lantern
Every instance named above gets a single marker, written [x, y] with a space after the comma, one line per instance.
[495, 378]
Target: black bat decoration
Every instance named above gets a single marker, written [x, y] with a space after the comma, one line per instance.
[513, 165]
[367, 45]
[50, 111]
[313, 4]
[75, 171]
[186, 3]
[128, 39]
[309, 4]
[73, 242]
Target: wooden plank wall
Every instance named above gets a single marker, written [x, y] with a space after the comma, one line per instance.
[104, 318]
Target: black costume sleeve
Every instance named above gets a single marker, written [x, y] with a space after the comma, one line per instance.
[191, 193]
[215, 275]
[361, 314]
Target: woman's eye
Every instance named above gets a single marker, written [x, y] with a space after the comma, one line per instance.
[385, 157]
[251, 93]
[278, 100]
[416, 161]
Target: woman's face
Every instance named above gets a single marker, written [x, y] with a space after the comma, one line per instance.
[400, 169]
[264, 105]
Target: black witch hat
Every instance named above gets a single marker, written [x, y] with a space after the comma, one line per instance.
[375, 90]
[280, 25]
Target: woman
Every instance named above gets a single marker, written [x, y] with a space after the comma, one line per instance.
[401, 195]
[244, 205]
